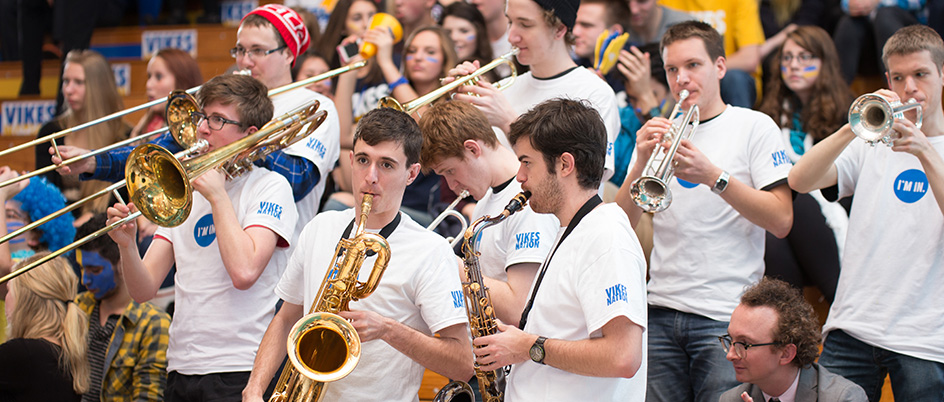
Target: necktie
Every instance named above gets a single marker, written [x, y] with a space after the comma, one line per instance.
[774, 400]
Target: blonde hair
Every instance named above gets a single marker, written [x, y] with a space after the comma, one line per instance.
[45, 309]
[99, 80]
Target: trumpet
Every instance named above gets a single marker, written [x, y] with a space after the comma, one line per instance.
[651, 190]
[471, 79]
[451, 211]
[174, 114]
[323, 346]
[871, 117]
[159, 184]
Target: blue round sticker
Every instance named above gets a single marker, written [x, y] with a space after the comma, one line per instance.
[686, 184]
[205, 232]
[911, 185]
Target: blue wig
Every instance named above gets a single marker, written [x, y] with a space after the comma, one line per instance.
[39, 199]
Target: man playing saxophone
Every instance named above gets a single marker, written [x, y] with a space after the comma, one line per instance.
[459, 145]
[418, 296]
[229, 254]
[582, 329]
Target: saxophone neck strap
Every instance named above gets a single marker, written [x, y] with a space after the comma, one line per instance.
[385, 232]
[583, 211]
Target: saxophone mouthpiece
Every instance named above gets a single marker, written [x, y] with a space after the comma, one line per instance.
[517, 203]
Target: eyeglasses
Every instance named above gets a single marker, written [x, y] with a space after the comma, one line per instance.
[802, 58]
[214, 122]
[256, 53]
[740, 348]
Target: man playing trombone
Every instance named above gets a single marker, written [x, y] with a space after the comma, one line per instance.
[709, 244]
[267, 43]
[229, 254]
[888, 316]
[459, 145]
[418, 296]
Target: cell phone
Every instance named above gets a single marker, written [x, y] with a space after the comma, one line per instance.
[347, 52]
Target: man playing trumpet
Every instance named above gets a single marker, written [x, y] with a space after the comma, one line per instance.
[887, 316]
[229, 254]
[418, 296]
[709, 244]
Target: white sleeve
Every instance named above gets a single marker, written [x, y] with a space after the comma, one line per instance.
[613, 284]
[529, 237]
[768, 159]
[604, 101]
[322, 147]
[848, 165]
[291, 286]
[438, 290]
[272, 207]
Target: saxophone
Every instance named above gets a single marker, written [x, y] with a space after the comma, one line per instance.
[323, 346]
[478, 305]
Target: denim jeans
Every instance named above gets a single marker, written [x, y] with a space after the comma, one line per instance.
[738, 88]
[686, 361]
[913, 379]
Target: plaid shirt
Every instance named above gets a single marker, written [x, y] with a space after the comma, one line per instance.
[301, 173]
[136, 360]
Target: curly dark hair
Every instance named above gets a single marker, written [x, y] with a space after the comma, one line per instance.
[827, 107]
[796, 320]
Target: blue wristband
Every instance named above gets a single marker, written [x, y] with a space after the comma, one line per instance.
[397, 83]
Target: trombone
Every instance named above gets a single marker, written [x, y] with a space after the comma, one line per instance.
[451, 211]
[871, 117]
[471, 79]
[159, 184]
[651, 190]
[184, 142]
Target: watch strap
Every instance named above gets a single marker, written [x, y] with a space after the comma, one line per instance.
[721, 183]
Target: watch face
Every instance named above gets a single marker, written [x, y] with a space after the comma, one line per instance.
[537, 353]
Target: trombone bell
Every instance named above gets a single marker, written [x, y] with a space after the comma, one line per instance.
[158, 185]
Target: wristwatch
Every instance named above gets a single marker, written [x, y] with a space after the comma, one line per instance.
[537, 350]
[721, 183]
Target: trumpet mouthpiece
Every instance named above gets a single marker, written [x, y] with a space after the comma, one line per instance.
[683, 94]
[243, 72]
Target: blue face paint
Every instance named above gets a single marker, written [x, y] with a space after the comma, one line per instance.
[101, 283]
[409, 57]
[432, 60]
[13, 226]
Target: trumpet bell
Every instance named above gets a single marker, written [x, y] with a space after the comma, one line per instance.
[871, 117]
[650, 194]
[180, 104]
[324, 347]
[158, 185]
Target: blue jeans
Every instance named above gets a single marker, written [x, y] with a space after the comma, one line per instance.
[913, 379]
[738, 88]
[686, 361]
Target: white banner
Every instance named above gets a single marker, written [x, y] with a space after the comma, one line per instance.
[154, 41]
[25, 117]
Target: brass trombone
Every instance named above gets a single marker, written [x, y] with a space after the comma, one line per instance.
[471, 79]
[159, 184]
[183, 142]
[871, 117]
[451, 211]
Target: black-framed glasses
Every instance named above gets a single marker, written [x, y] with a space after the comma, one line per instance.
[256, 53]
[740, 348]
[214, 122]
[802, 58]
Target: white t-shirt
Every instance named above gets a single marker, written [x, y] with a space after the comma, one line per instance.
[704, 252]
[579, 83]
[321, 147]
[889, 292]
[524, 237]
[420, 288]
[216, 327]
[597, 274]
[501, 47]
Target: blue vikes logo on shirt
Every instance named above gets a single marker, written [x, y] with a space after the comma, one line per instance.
[204, 232]
[686, 184]
[527, 240]
[911, 185]
[616, 293]
[317, 146]
[780, 158]
[270, 208]
[457, 299]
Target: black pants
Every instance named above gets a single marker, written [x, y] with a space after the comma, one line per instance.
[862, 38]
[216, 387]
[809, 254]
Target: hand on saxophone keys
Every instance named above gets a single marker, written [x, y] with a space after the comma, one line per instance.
[369, 325]
[509, 346]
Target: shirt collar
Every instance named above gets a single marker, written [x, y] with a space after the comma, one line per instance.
[790, 394]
